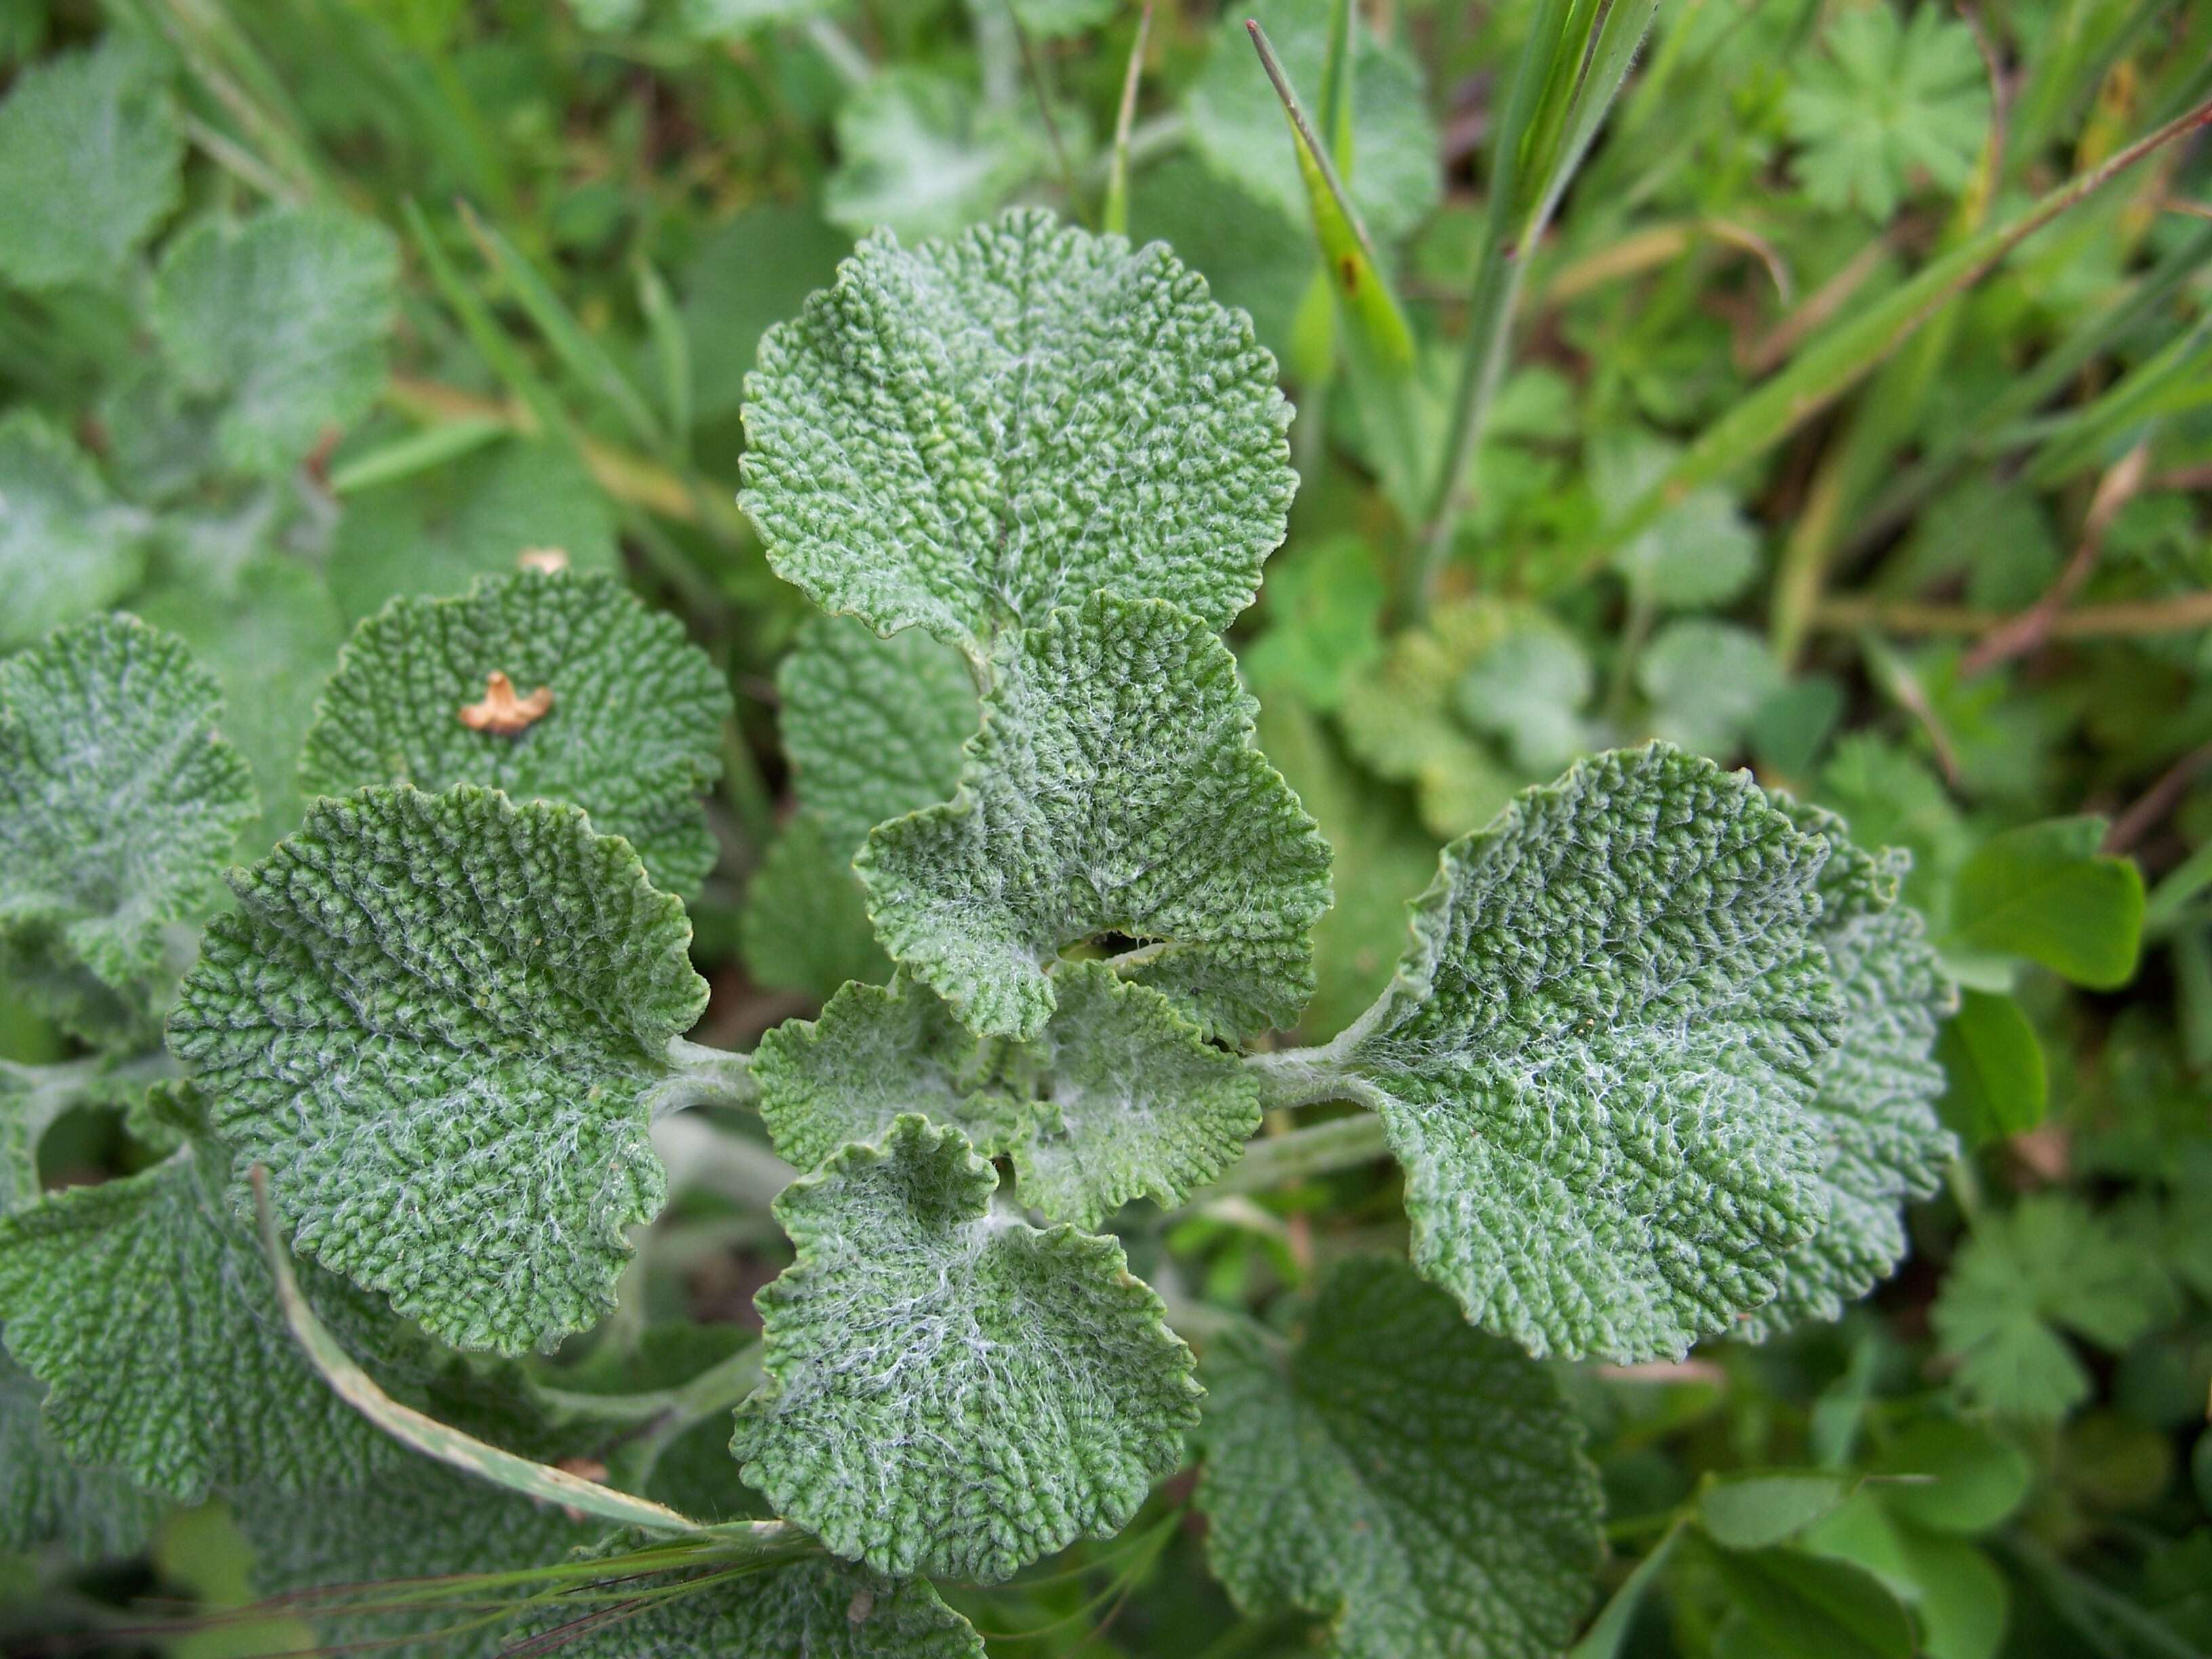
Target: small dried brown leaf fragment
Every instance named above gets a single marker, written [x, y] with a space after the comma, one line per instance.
[502, 711]
[544, 561]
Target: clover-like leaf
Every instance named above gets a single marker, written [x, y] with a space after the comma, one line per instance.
[634, 735]
[47, 1500]
[949, 1389]
[285, 315]
[119, 804]
[1118, 1097]
[968, 434]
[1419, 1483]
[149, 1311]
[1597, 1060]
[874, 727]
[1876, 1101]
[1114, 787]
[67, 548]
[817, 1609]
[90, 149]
[436, 1018]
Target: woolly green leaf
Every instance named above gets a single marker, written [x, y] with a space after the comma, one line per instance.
[1598, 1060]
[805, 925]
[47, 1500]
[149, 1312]
[818, 1608]
[1706, 680]
[1236, 121]
[1115, 788]
[285, 314]
[634, 735]
[874, 727]
[1700, 552]
[1876, 1107]
[1117, 1098]
[949, 1389]
[119, 803]
[436, 1019]
[2051, 1264]
[965, 434]
[436, 533]
[920, 155]
[33, 1097]
[1417, 1482]
[89, 154]
[66, 548]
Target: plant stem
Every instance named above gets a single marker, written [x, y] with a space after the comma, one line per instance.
[703, 1077]
[1489, 327]
[1343, 1143]
[1115, 217]
[2181, 614]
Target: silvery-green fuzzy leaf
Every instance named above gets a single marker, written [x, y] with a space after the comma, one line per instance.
[119, 804]
[920, 155]
[816, 1608]
[1237, 120]
[47, 1500]
[634, 735]
[67, 548]
[285, 314]
[268, 635]
[436, 533]
[1705, 680]
[150, 1314]
[949, 1389]
[874, 727]
[1419, 1483]
[89, 154]
[1118, 1097]
[436, 1019]
[1114, 787]
[805, 925]
[1876, 1103]
[1700, 552]
[1598, 1060]
[965, 434]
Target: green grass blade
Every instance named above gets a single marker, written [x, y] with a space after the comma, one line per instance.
[1114, 216]
[418, 452]
[671, 349]
[484, 332]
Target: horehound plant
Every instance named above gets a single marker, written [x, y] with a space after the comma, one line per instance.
[1655, 1062]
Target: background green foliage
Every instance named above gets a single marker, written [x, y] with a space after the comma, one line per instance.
[308, 304]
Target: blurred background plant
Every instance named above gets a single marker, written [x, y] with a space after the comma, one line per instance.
[1837, 400]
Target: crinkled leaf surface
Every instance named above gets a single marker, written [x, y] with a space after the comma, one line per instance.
[150, 1315]
[119, 804]
[47, 1500]
[949, 1389]
[816, 1608]
[1876, 1103]
[436, 1018]
[966, 433]
[89, 154]
[1114, 787]
[920, 154]
[634, 737]
[874, 727]
[1419, 1483]
[285, 314]
[1237, 120]
[67, 548]
[1597, 1060]
[1118, 1097]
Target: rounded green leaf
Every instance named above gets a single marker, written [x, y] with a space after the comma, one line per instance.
[436, 1019]
[1597, 1063]
[816, 1608]
[119, 804]
[634, 735]
[1115, 788]
[949, 1389]
[1753, 1509]
[1419, 1483]
[1994, 1064]
[1954, 1477]
[67, 548]
[968, 434]
[2044, 892]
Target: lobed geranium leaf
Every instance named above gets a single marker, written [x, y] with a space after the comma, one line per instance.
[817, 1609]
[949, 1389]
[67, 548]
[1419, 1483]
[285, 315]
[119, 804]
[1597, 1060]
[1118, 1097]
[968, 434]
[90, 150]
[874, 727]
[436, 1019]
[1875, 1101]
[149, 1313]
[634, 735]
[47, 1500]
[1114, 787]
